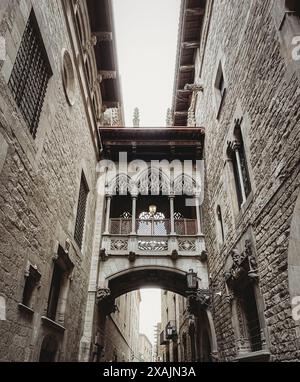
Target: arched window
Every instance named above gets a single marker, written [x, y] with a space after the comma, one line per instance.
[79, 27]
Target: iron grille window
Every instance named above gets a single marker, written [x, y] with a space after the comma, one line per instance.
[30, 75]
[81, 211]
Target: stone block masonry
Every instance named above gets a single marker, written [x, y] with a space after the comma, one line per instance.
[261, 89]
[39, 188]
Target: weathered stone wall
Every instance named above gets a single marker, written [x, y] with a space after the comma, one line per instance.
[263, 88]
[39, 188]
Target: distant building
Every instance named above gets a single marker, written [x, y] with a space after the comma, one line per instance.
[157, 349]
[145, 347]
[122, 340]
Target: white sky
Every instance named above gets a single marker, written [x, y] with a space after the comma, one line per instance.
[150, 311]
[146, 32]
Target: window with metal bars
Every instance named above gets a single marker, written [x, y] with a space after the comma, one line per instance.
[30, 75]
[81, 211]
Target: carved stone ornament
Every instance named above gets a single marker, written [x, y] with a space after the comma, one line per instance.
[199, 299]
[103, 255]
[194, 87]
[132, 256]
[174, 254]
[241, 264]
[102, 294]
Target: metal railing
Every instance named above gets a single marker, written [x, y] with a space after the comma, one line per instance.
[153, 227]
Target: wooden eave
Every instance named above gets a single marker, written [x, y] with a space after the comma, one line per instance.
[190, 25]
[153, 143]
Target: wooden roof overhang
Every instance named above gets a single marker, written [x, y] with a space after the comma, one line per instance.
[190, 24]
[102, 25]
[169, 143]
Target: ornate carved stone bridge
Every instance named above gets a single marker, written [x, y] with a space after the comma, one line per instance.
[149, 223]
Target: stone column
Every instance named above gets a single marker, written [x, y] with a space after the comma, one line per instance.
[107, 217]
[171, 197]
[235, 148]
[133, 224]
[198, 216]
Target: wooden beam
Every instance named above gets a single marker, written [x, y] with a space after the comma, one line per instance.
[181, 113]
[160, 143]
[108, 74]
[103, 36]
[111, 104]
[190, 45]
[194, 11]
[187, 68]
[184, 92]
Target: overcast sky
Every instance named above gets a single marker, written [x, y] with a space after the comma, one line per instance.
[146, 43]
[146, 46]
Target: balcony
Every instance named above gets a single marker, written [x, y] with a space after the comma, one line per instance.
[153, 236]
[151, 227]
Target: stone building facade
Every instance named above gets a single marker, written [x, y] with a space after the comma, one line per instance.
[122, 330]
[145, 349]
[62, 270]
[51, 100]
[242, 86]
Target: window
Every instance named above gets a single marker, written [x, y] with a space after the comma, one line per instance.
[249, 316]
[81, 211]
[220, 225]
[30, 75]
[59, 285]
[240, 167]
[221, 85]
[32, 278]
[220, 88]
[55, 288]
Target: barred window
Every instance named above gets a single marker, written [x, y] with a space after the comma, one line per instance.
[30, 75]
[81, 211]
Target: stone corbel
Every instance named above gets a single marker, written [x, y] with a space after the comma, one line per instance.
[200, 298]
[174, 255]
[203, 256]
[103, 294]
[67, 246]
[103, 255]
[194, 88]
[132, 256]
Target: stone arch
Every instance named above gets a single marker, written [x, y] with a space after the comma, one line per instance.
[81, 25]
[166, 278]
[186, 185]
[120, 183]
[294, 253]
[49, 349]
[154, 180]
